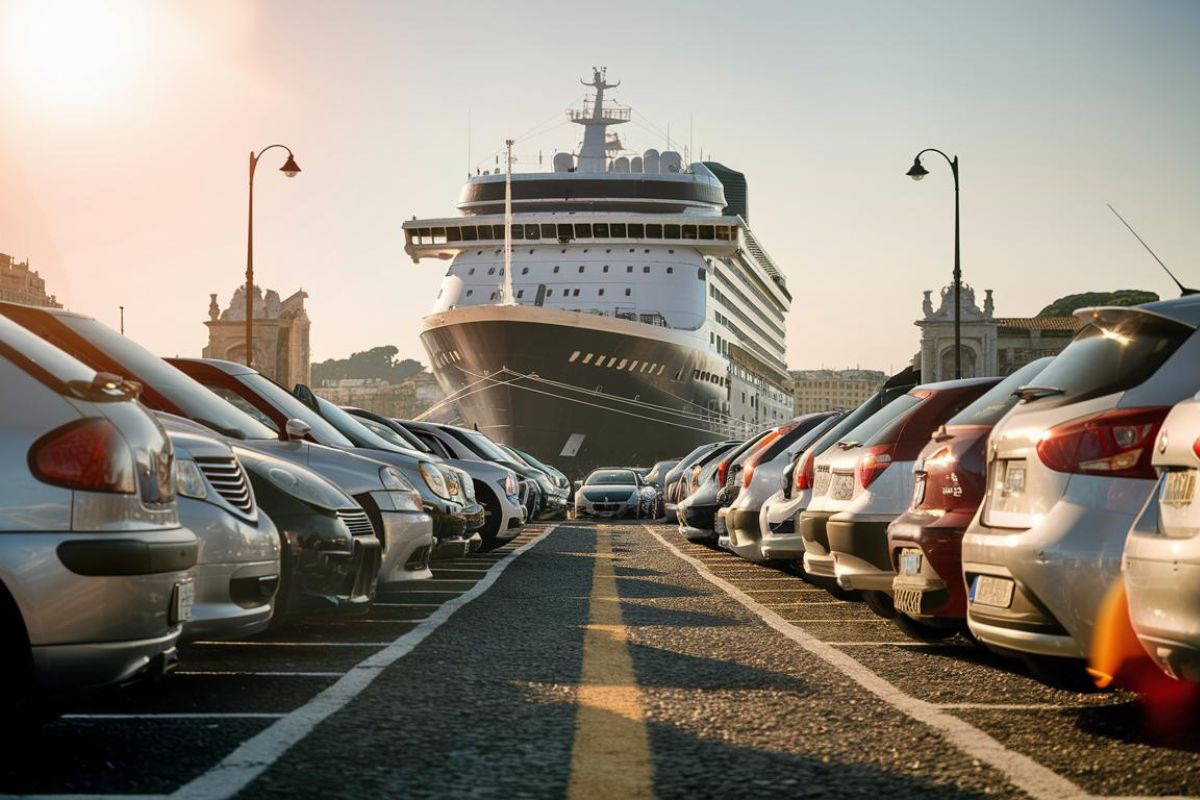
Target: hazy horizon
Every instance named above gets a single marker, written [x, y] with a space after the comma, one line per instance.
[128, 125]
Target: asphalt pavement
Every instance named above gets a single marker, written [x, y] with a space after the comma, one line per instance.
[590, 660]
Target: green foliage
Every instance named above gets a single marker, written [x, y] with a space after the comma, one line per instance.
[378, 362]
[1063, 306]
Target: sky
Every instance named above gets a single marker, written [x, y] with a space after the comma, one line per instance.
[125, 130]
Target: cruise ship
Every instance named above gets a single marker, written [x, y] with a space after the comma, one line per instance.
[638, 315]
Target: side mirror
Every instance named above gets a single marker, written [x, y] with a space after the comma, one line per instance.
[297, 429]
[305, 395]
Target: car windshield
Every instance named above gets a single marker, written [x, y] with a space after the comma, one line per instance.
[611, 477]
[1103, 360]
[993, 404]
[533, 461]
[399, 431]
[354, 430]
[875, 423]
[164, 387]
[290, 406]
[482, 445]
[384, 432]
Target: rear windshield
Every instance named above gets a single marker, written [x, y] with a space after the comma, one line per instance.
[353, 429]
[717, 451]
[41, 359]
[1103, 360]
[993, 404]
[879, 420]
[803, 430]
[290, 406]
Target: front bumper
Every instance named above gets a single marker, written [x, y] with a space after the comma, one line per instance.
[330, 569]
[937, 590]
[745, 538]
[858, 546]
[1162, 582]
[408, 546]
[698, 522]
[817, 559]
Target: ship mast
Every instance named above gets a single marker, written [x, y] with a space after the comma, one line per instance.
[593, 155]
[506, 294]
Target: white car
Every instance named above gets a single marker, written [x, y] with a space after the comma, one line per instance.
[1162, 553]
[760, 478]
[1069, 469]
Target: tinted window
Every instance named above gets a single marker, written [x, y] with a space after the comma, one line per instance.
[41, 356]
[611, 477]
[286, 404]
[482, 445]
[993, 404]
[1102, 360]
[165, 388]
[879, 420]
[355, 431]
[385, 433]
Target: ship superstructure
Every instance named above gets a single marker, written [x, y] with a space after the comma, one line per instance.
[645, 317]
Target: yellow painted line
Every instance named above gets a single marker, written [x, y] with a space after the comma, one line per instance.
[610, 757]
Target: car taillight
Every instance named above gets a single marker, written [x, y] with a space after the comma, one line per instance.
[874, 461]
[722, 472]
[1118, 443]
[1196, 448]
[804, 472]
[90, 455]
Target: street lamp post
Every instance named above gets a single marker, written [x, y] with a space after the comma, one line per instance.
[290, 169]
[916, 172]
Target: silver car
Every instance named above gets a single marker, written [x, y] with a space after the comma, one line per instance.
[610, 493]
[1069, 469]
[1162, 553]
[237, 571]
[94, 581]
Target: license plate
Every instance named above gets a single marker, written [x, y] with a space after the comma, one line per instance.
[988, 590]
[908, 601]
[910, 562]
[842, 486]
[184, 598]
[1179, 487]
[918, 489]
[1014, 478]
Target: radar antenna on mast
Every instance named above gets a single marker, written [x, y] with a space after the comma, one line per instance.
[1184, 291]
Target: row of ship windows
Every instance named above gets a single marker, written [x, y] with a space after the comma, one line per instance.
[565, 232]
[757, 307]
[582, 269]
[718, 295]
[653, 369]
[446, 357]
[549, 293]
[745, 341]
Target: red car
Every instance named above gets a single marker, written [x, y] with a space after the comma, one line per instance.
[925, 543]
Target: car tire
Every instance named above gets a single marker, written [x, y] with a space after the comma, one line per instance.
[22, 708]
[1060, 673]
[280, 611]
[492, 519]
[881, 603]
[936, 630]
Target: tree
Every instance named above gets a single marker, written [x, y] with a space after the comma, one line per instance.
[377, 363]
[1065, 306]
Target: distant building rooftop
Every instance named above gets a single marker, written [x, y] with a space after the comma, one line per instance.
[1041, 323]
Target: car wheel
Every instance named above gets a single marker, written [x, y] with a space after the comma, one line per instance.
[1061, 673]
[21, 707]
[881, 603]
[935, 630]
[492, 519]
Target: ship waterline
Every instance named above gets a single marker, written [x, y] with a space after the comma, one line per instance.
[577, 389]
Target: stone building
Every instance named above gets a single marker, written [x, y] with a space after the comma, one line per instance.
[990, 345]
[20, 284]
[824, 389]
[405, 400]
[281, 330]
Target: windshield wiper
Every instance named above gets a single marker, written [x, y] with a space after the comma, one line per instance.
[1031, 393]
[232, 433]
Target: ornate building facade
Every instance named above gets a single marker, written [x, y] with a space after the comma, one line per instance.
[281, 331]
[990, 345]
[20, 284]
[817, 390]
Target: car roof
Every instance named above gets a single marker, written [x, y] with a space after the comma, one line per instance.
[228, 367]
[1184, 310]
[960, 383]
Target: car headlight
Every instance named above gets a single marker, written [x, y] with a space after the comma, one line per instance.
[468, 484]
[510, 484]
[308, 488]
[434, 479]
[189, 481]
[404, 495]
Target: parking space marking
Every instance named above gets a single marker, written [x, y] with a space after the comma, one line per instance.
[610, 756]
[294, 644]
[173, 715]
[255, 755]
[252, 674]
[1021, 770]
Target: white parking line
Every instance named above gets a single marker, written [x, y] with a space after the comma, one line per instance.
[294, 644]
[1025, 773]
[252, 674]
[255, 755]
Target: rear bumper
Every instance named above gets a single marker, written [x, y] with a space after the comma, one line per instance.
[817, 558]
[860, 554]
[1162, 581]
[72, 669]
[1019, 641]
[940, 584]
[745, 538]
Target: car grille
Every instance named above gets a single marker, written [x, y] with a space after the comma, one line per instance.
[227, 477]
[357, 521]
[607, 506]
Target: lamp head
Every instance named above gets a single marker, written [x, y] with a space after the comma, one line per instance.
[916, 171]
[291, 168]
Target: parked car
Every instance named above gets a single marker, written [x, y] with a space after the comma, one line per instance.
[495, 486]
[390, 502]
[558, 477]
[761, 477]
[925, 542]
[610, 493]
[779, 521]
[1162, 553]
[554, 495]
[238, 562]
[1069, 469]
[94, 564]
[290, 418]
[657, 478]
[673, 485]
[698, 511]
[477, 446]
[883, 489]
[689, 479]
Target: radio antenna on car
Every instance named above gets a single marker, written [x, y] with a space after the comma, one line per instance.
[1184, 291]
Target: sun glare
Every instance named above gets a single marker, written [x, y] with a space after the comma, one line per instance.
[74, 54]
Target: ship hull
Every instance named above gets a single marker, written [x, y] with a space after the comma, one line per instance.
[519, 375]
